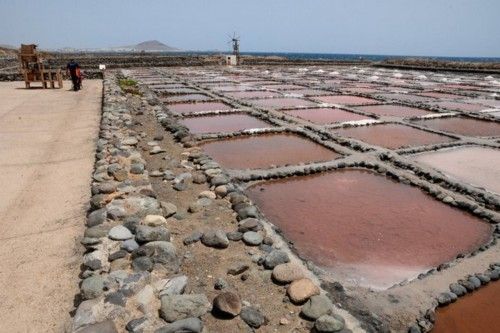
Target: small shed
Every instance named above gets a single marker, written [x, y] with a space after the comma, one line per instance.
[231, 60]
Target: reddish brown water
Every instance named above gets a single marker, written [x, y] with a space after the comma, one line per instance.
[365, 227]
[195, 107]
[326, 115]
[262, 151]
[392, 136]
[253, 94]
[463, 126]
[346, 100]
[225, 123]
[184, 98]
[393, 110]
[474, 313]
[282, 102]
[455, 106]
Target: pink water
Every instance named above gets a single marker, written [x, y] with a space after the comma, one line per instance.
[223, 123]
[365, 227]
[392, 136]
[262, 151]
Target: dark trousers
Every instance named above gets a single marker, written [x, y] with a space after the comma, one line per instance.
[76, 82]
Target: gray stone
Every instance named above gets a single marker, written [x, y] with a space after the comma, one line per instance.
[249, 224]
[252, 238]
[133, 206]
[119, 232]
[317, 306]
[96, 217]
[252, 317]
[234, 236]
[144, 233]
[107, 326]
[136, 325]
[237, 268]
[199, 179]
[95, 260]
[117, 255]
[169, 208]
[215, 238]
[221, 284]
[219, 180]
[188, 325]
[130, 245]
[163, 253]
[475, 282]
[249, 211]
[195, 207]
[97, 231]
[445, 298]
[116, 298]
[177, 307]
[275, 258]
[174, 286]
[483, 278]
[193, 238]
[180, 186]
[92, 287]
[228, 303]
[327, 324]
[495, 274]
[137, 168]
[142, 264]
[458, 289]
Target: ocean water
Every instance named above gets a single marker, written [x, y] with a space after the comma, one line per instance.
[335, 56]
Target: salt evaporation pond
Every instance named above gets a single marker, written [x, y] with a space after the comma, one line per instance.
[262, 151]
[473, 313]
[462, 126]
[336, 220]
[392, 136]
[325, 115]
[223, 123]
[479, 166]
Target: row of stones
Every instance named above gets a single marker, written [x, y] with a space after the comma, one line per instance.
[130, 264]
[457, 289]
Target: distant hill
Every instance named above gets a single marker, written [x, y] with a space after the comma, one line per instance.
[8, 51]
[147, 46]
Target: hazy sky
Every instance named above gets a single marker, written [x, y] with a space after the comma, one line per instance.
[401, 27]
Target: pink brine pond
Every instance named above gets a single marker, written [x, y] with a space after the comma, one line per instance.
[366, 228]
[263, 151]
[223, 123]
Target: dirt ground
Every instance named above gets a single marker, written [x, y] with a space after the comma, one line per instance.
[205, 265]
[47, 144]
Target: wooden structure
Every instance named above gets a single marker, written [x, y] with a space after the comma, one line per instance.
[35, 69]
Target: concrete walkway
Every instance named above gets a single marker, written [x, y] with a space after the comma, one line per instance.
[47, 142]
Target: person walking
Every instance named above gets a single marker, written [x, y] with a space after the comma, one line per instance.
[73, 69]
